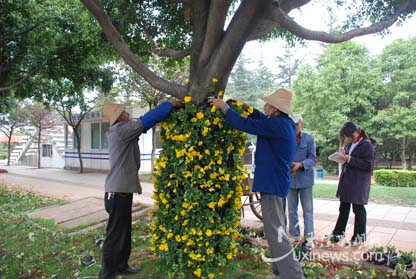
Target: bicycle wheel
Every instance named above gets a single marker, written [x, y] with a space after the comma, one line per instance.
[255, 205]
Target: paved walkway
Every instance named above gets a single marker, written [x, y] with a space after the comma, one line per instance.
[387, 224]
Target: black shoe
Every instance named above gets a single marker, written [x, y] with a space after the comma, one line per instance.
[335, 238]
[128, 271]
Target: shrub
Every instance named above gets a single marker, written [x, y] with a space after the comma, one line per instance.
[396, 178]
[198, 188]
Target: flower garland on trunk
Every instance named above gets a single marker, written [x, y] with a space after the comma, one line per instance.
[198, 189]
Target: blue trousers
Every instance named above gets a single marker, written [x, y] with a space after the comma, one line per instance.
[305, 195]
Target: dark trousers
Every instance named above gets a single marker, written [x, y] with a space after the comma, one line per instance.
[360, 221]
[117, 243]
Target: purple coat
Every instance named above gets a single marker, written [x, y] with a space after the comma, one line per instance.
[354, 182]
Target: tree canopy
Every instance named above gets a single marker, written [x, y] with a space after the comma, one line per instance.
[50, 40]
[213, 33]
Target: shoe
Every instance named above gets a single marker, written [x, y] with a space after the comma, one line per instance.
[335, 238]
[308, 244]
[128, 271]
[294, 239]
[355, 241]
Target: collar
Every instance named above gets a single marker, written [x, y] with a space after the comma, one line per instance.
[298, 137]
[358, 138]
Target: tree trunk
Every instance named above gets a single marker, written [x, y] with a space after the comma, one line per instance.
[39, 138]
[9, 146]
[403, 154]
[81, 167]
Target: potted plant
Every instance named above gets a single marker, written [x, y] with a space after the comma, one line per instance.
[407, 259]
[391, 256]
[379, 256]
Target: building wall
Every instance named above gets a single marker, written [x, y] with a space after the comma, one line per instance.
[97, 158]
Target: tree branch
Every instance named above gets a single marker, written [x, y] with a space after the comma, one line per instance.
[199, 23]
[215, 29]
[289, 5]
[241, 25]
[289, 24]
[16, 83]
[129, 57]
[164, 51]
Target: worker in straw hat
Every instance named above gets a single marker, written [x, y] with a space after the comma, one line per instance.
[276, 144]
[122, 181]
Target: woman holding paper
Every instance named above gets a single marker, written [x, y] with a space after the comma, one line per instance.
[354, 182]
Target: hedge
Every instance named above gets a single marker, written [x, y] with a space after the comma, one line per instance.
[395, 178]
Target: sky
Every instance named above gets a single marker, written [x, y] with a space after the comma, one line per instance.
[306, 17]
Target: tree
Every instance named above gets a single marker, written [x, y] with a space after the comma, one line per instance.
[48, 40]
[242, 85]
[344, 86]
[15, 118]
[397, 107]
[288, 65]
[200, 29]
[72, 103]
[39, 117]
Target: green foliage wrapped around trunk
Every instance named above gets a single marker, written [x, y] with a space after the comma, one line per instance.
[198, 188]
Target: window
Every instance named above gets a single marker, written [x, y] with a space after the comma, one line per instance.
[104, 129]
[95, 135]
[46, 150]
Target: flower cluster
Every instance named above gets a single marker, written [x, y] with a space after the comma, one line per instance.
[198, 188]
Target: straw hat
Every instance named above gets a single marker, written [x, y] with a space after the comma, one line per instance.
[280, 99]
[112, 112]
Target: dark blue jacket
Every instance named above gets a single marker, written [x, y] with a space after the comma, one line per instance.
[305, 153]
[276, 143]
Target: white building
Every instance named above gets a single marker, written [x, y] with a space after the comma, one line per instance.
[94, 145]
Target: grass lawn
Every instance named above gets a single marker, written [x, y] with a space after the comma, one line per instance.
[30, 249]
[378, 194]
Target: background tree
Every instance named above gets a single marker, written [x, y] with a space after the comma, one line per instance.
[344, 86]
[16, 117]
[73, 103]
[287, 67]
[48, 40]
[397, 106]
[41, 118]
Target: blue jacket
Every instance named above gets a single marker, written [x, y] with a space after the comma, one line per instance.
[276, 143]
[305, 153]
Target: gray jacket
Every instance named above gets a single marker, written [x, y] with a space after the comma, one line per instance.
[124, 156]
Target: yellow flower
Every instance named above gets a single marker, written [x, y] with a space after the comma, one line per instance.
[199, 115]
[212, 205]
[211, 275]
[187, 99]
[214, 80]
[239, 104]
[163, 247]
[184, 237]
[229, 256]
[208, 232]
[198, 272]
[170, 235]
[213, 109]
[216, 121]
[178, 238]
[220, 93]
[183, 212]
